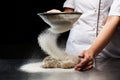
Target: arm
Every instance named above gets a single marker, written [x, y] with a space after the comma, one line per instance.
[100, 42]
[105, 35]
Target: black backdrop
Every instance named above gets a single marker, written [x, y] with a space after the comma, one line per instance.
[28, 23]
[19, 38]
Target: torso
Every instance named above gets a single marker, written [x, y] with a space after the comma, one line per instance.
[84, 30]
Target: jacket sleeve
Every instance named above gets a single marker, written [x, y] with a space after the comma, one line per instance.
[69, 4]
[115, 8]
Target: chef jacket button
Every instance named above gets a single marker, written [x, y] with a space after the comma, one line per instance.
[95, 10]
[93, 29]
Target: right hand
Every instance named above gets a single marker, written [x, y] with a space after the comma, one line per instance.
[86, 62]
[53, 11]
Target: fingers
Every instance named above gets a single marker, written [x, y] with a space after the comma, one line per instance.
[84, 65]
[85, 68]
[88, 66]
[90, 63]
[86, 62]
[81, 64]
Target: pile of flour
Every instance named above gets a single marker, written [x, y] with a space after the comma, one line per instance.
[36, 67]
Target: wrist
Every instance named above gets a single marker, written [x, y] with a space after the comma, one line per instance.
[92, 53]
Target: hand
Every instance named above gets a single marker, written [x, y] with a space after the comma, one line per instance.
[53, 11]
[86, 62]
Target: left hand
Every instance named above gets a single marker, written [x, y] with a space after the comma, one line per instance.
[86, 62]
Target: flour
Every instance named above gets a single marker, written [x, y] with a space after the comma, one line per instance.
[47, 41]
[36, 67]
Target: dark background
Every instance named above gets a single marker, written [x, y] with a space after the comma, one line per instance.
[28, 23]
[19, 38]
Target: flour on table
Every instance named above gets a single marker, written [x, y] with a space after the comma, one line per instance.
[37, 67]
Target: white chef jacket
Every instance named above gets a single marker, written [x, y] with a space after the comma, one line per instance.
[84, 30]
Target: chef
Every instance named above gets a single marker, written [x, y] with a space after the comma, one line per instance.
[98, 27]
